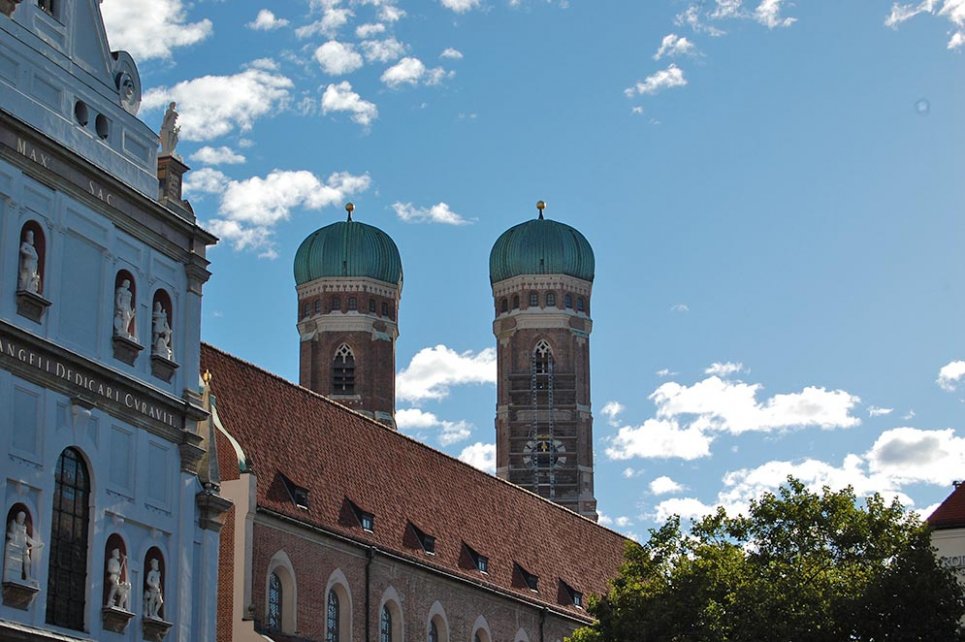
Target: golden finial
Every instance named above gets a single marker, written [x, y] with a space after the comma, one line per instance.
[540, 205]
[207, 377]
[350, 207]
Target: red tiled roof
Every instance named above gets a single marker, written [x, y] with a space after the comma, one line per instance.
[340, 455]
[951, 512]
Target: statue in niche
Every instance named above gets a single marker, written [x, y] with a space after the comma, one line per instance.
[123, 310]
[161, 333]
[169, 130]
[153, 600]
[16, 554]
[29, 278]
[120, 589]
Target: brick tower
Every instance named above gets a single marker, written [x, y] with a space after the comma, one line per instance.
[349, 281]
[542, 276]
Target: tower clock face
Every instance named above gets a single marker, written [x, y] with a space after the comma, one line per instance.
[544, 453]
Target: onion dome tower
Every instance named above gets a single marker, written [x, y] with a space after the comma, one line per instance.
[542, 276]
[349, 281]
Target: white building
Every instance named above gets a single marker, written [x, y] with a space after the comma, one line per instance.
[102, 446]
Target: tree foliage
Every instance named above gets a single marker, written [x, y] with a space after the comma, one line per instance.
[799, 566]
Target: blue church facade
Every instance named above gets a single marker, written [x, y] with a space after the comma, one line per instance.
[110, 501]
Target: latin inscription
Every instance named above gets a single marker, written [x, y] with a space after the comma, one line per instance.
[33, 153]
[87, 382]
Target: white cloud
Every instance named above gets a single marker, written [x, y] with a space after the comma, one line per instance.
[415, 419]
[692, 17]
[911, 455]
[768, 13]
[630, 472]
[151, 28]
[204, 181]
[687, 417]
[460, 6]
[391, 13]
[452, 54]
[333, 18]
[724, 369]
[369, 29]
[672, 76]
[251, 208]
[217, 156]
[212, 106]
[481, 456]
[664, 485]
[340, 97]
[267, 21]
[876, 411]
[412, 71]
[733, 406]
[686, 507]
[438, 213]
[952, 10]
[659, 439]
[665, 372]
[611, 410]
[338, 58]
[950, 374]
[677, 307]
[382, 50]
[673, 45]
[433, 371]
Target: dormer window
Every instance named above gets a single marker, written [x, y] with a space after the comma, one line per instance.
[366, 519]
[530, 580]
[298, 494]
[569, 595]
[481, 562]
[427, 541]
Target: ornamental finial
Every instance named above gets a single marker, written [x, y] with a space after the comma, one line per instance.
[350, 207]
[207, 377]
[540, 205]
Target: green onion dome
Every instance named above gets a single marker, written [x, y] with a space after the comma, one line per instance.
[348, 249]
[541, 246]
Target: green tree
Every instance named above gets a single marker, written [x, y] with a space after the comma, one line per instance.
[799, 566]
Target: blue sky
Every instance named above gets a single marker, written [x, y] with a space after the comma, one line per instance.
[773, 191]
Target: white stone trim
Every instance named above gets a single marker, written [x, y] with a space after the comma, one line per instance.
[541, 282]
[437, 613]
[334, 284]
[289, 587]
[521, 635]
[339, 583]
[390, 598]
[481, 626]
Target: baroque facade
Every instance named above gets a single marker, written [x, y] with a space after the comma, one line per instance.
[109, 503]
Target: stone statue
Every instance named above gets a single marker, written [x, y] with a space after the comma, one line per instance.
[153, 600]
[16, 554]
[29, 278]
[161, 333]
[120, 589]
[123, 310]
[169, 130]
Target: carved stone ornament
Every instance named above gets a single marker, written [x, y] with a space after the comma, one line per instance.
[7, 7]
[212, 509]
[31, 305]
[154, 630]
[18, 595]
[126, 350]
[162, 368]
[116, 619]
[128, 81]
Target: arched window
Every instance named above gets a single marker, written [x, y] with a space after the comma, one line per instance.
[371, 306]
[353, 303]
[580, 304]
[331, 617]
[33, 252]
[275, 597]
[67, 572]
[551, 299]
[318, 306]
[336, 304]
[504, 306]
[516, 302]
[438, 624]
[568, 301]
[343, 371]
[542, 357]
[433, 632]
[480, 630]
[533, 300]
[385, 625]
[385, 308]
[306, 310]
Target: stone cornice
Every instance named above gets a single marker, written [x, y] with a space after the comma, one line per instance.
[346, 322]
[540, 282]
[92, 384]
[60, 169]
[348, 284]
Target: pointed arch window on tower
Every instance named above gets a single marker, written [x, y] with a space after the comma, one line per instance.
[542, 357]
[336, 304]
[551, 299]
[533, 300]
[516, 302]
[568, 301]
[343, 371]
